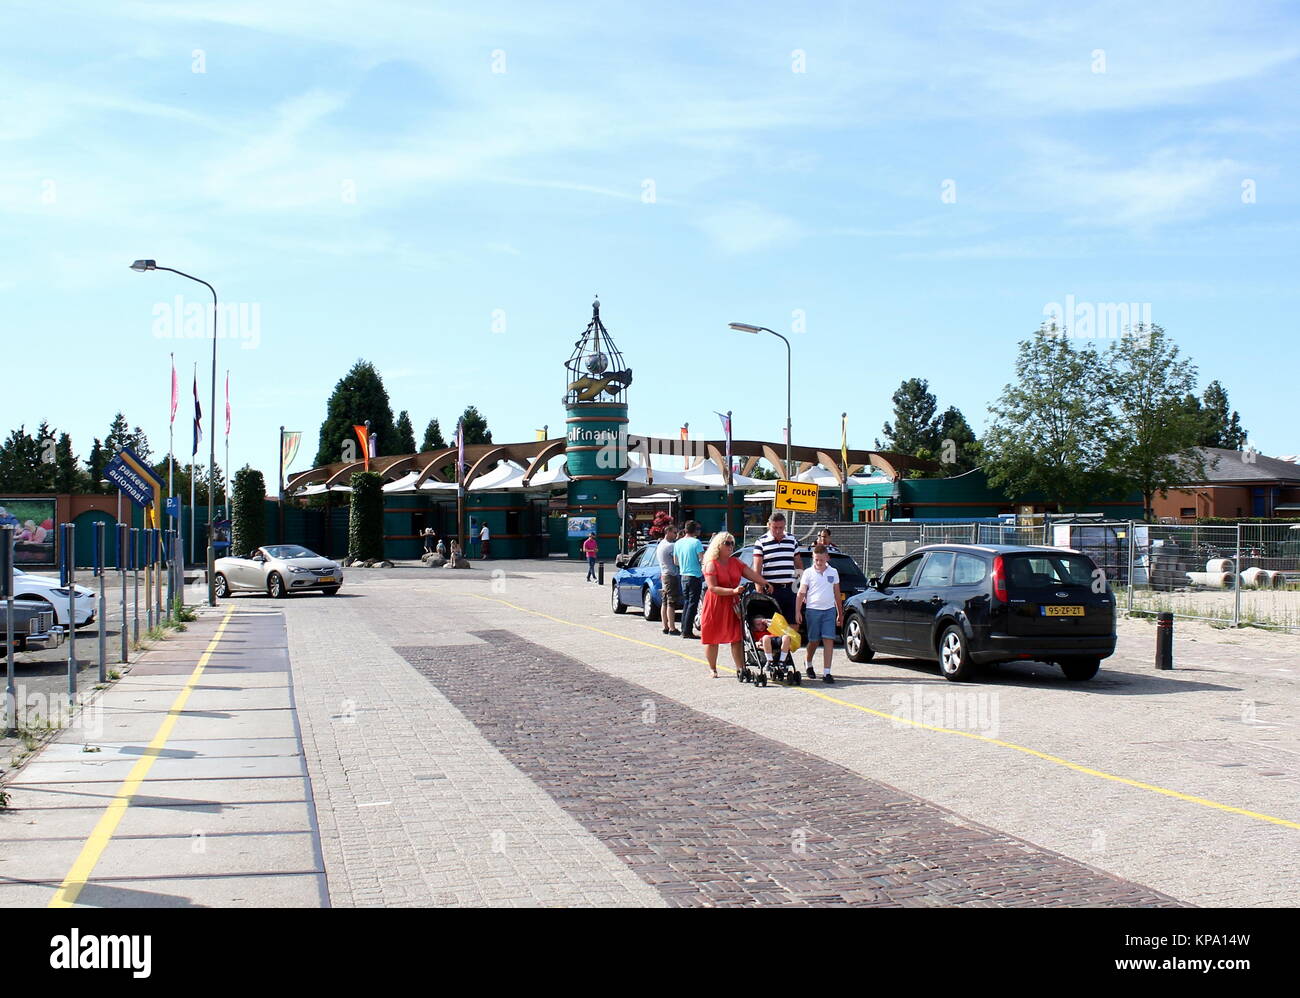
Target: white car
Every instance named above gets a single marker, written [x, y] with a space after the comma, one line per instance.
[278, 570]
[47, 589]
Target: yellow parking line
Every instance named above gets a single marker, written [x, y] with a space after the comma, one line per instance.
[1055, 760]
[70, 889]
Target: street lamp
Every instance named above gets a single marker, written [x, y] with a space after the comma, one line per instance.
[745, 327]
[141, 266]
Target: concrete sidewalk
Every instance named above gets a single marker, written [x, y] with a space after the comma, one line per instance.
[183, 785]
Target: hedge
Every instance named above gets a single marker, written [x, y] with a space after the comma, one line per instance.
[247, 511]
[366, 517]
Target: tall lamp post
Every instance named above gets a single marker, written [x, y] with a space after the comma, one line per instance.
[141, 266]
[745, 327]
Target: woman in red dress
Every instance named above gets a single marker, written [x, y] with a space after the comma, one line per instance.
[719, 622]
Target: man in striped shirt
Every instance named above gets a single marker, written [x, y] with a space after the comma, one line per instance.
[776, 558]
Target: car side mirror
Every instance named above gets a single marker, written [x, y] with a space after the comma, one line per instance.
[259, 557]
[873, 582]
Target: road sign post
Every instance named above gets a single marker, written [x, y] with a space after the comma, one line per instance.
[135, 573]
[123, 561]
[7, 590]
[68, 577]
[103, 600]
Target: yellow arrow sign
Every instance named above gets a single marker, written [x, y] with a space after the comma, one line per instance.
[801, 497]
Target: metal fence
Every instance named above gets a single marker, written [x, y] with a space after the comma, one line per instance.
[1236, 574]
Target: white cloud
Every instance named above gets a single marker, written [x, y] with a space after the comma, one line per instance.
[744, 227]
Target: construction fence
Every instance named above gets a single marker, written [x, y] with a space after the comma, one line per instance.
[1239, 574]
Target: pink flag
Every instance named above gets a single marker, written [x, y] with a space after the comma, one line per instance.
[227, 403]
[175, 389]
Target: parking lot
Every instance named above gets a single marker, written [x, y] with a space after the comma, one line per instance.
[498, 736]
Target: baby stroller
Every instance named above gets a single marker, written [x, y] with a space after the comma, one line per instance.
[751, 605]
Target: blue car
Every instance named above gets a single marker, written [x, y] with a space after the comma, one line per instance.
[638, 583]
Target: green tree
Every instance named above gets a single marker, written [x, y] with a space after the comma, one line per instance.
[20, 463]
[1222, 424]
[358, 396]
[476, 428]
[958, 449]
[1153, 432]
[247, 511]
[405, 434]
[763, 474]
[181, 481]
[68, 475]
[120, 435]
[1050, 427]
[366, 517]
[915, 426]
[433, 437]
[95, 464]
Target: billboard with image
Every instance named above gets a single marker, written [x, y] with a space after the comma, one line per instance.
[33, 523]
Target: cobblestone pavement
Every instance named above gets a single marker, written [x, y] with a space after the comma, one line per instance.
[1184, 782]
[711, 814]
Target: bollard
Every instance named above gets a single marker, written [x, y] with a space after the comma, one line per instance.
[600, 575]
[1164, 640]
[103, 600]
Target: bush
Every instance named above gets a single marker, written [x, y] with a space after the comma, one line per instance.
[366, 517]
[247, 511]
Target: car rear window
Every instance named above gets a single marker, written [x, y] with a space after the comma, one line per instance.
[937, 571]
[969, 570]
[1039, 571]
[850, 574]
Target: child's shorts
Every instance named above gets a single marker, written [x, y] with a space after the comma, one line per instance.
[821, 624]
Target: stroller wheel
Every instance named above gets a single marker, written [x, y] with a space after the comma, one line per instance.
[796, 677]
[762, 679]
[742, 675]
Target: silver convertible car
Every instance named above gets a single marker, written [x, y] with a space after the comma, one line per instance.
[278, 570]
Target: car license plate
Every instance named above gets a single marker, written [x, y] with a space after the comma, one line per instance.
[1063, 611]
[326, 579]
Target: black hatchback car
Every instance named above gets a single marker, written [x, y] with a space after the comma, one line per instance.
[965, 605]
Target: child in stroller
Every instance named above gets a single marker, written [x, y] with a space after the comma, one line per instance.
[765, 629]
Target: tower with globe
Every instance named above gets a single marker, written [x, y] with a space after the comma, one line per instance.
[595, 402]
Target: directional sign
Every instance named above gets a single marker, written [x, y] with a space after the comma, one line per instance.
[801, 497]
[135, 488]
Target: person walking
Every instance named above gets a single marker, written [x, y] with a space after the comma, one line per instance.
[484, 539]
[429, 545]
[776, 559]
[589, 549]
[819, 591]
[670, 579]
[824, 539]
[719, 621]
[687, 553]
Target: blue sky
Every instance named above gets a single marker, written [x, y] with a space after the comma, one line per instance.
[388, 180]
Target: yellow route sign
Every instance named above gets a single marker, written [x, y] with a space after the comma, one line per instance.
[800, 497]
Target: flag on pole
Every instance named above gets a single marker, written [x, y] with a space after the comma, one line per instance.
[289, 448]
[227, 403]
[198, 414]
[844, 442]
[362, 435]
[541, 434]
[460, 451]
[175, 389]
[685, 439]
[726, 429]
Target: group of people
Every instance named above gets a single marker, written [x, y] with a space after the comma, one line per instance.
[433, 544]
[706, 584]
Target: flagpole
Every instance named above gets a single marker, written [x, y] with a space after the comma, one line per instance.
[225, 477]
[730, 485]
[281, 484]
[193, 452]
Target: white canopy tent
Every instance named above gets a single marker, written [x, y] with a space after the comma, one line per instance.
[822, 478]
[406, 486]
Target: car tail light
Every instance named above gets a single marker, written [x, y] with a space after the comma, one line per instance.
[999, 579]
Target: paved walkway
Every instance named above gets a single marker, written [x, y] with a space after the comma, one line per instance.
[497, 737]
[182, 785]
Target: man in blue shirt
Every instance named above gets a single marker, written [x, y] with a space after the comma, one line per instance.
[687, 552]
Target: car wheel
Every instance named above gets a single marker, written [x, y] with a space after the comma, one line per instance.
[275, 586]
[615, 603]
[221, 587]
[855, 639]
[954, 658]
[1080, 669]
[648, 608]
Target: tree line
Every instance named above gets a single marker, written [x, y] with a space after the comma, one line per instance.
[45, 461]
[360, 395]
[1079, 424]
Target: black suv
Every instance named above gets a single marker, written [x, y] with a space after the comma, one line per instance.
[969, 604]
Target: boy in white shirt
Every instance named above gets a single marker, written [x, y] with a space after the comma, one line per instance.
[819, 590]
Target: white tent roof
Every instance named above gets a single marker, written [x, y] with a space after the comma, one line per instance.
[822, 478]
[705, 475]
[506, 477]
[406, 485]
[320, 490]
